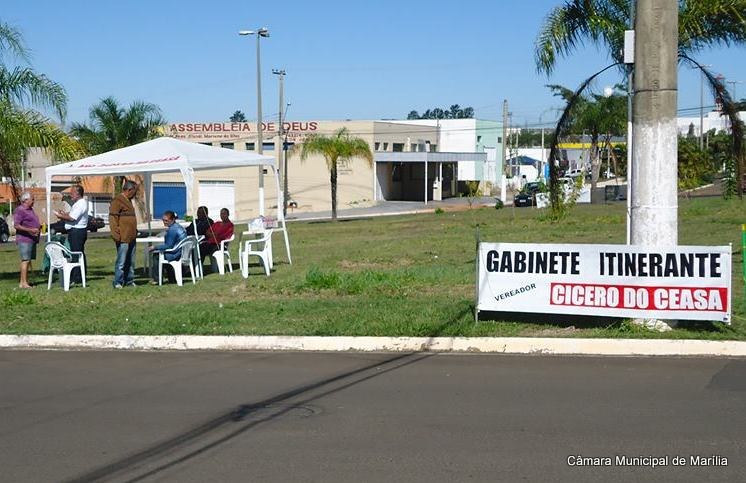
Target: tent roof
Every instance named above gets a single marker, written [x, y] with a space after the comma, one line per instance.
[158, 156]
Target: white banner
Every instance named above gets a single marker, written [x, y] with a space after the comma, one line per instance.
[684, 282]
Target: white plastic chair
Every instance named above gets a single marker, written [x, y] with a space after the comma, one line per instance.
[222, 256]
[260, 247]
[186, 247]
[59, 259]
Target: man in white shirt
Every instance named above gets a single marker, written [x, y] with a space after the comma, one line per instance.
[76, 226]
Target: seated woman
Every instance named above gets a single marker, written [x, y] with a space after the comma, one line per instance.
[174, 234]
[222, 230]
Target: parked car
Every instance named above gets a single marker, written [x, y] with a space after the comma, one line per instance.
[527, 195]
[94, 224]
[4, 231]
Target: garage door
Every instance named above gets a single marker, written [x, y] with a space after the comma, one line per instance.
[169, 196]
[216, 195]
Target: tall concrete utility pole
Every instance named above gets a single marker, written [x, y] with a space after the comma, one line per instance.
[503, 184]
[654, 212]
[279, 145]
[505, 133]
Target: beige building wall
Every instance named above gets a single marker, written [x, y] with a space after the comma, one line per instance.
[308, 181]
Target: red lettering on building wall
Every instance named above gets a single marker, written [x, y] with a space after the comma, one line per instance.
[239, 127]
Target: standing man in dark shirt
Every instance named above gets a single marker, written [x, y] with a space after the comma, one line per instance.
[123, 224]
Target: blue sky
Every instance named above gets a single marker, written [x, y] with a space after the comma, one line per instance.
[344, 59]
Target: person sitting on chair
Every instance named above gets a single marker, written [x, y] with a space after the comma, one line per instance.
[218, 232]
[203, 223]
[174, 234]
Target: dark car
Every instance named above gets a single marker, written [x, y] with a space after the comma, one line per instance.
[4, 231]
[527, 195]
[94, 224]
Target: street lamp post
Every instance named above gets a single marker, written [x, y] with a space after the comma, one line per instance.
[262, 32]
[733, 83]
[702, 104]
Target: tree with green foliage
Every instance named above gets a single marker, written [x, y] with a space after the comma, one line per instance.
[113, 126]
[601, 117]
[702, 24]
[531, 138]
[21, 90]
[338, 149]
[238, 116]
[718, 147]
[696, 166]
[453, 112]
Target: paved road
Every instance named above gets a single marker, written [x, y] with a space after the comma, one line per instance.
[117, 416]
[384, 208]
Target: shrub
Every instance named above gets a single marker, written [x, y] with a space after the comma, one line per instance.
[499, 204]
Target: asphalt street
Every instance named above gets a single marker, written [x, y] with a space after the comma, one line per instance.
[236, 416]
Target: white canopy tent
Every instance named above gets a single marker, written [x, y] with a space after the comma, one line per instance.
[165, 155]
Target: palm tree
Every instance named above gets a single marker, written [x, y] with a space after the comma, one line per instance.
[598, 115]
[702, 24]
[113, 127]
[338, 149]
[21, 127]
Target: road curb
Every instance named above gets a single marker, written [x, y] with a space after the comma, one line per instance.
[502, 345]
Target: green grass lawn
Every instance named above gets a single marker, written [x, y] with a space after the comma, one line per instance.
[390, 276]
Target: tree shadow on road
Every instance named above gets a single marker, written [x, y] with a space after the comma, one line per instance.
[244, 417]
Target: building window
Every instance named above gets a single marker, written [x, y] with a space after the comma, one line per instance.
[414, 147]
[377, 146]
[268, 146]
[398, 147]
[499, 139]
[433, 148]
[385, 146]
[227, 145]
[207, 144]
[250, 146]
[479, 139]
